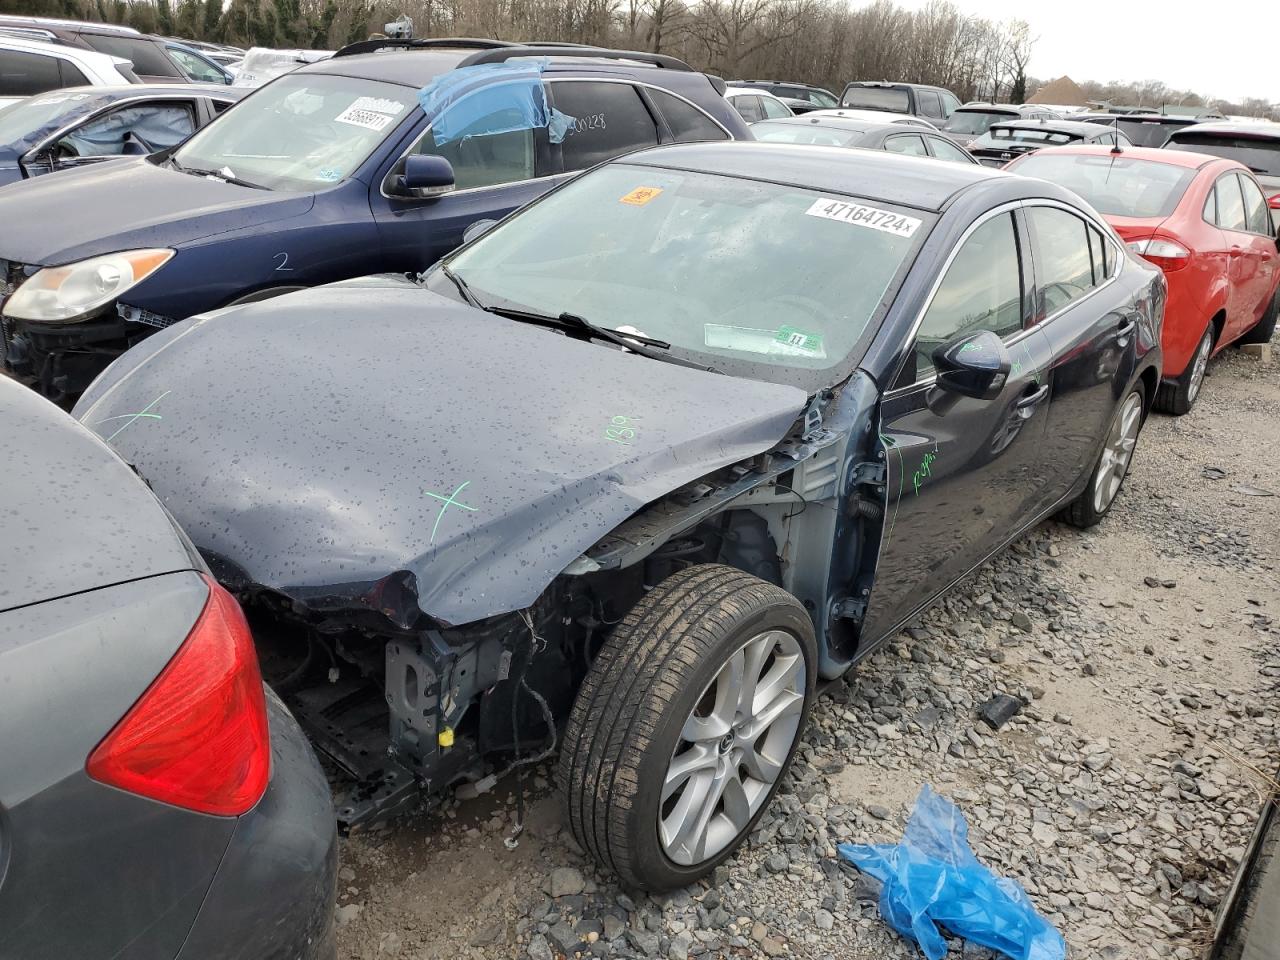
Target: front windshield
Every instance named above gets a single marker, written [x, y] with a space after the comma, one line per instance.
[973, 121]
[1115, 186]
[300, 131]
[823, 99]
[743, 275]
[37, 113]
[778, 131]
[1008, 136]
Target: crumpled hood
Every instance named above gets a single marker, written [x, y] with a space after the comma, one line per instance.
[323, 441]
[124, 205]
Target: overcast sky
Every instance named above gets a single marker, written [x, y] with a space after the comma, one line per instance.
[1186, 47]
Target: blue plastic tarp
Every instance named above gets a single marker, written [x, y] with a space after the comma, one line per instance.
[491, 98]
[932, 879]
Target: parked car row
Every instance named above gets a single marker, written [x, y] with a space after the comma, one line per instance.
[472, 411]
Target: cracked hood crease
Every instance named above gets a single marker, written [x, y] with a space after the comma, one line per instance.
[327, 442]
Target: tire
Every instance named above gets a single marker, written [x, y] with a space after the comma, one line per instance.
[1088, 508]
[1264, 329]
[638, 702]
[1177, 397]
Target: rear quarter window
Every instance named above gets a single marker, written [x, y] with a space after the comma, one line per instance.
[687, 122]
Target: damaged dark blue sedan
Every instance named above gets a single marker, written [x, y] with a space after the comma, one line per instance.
[599, 483]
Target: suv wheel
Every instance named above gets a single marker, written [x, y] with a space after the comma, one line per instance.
[686, 724]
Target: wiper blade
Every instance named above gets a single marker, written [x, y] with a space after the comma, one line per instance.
[216, 174]
[464, 288]
[632, 342]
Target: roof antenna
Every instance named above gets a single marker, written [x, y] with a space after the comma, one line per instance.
[1115, 126]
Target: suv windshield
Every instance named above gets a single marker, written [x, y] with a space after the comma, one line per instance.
[693, 259]
[1115, 186]
[876, 98]
[1262, 156]
[300, 131]
[974, 121]
[1005, 136]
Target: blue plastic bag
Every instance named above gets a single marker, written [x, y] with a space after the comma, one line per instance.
[932, 879]
[492, 98]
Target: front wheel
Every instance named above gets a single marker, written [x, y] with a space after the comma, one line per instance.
[686, 724]
[1112, 466]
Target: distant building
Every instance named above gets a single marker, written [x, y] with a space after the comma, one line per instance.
[1063, 92]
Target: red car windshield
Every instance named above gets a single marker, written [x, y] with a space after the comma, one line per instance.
[1115, 186]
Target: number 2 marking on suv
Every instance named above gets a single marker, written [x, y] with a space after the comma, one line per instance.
[281, 266]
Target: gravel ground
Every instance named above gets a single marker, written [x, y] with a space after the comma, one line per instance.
[1120, 797]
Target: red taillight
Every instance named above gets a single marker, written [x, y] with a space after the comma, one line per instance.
[1274, 202]
[1165, 254]
[197, 738]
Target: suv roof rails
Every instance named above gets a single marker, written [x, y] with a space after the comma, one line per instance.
[507, 52]
[421, 43]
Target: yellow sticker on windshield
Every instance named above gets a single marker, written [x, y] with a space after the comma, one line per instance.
[640, 196]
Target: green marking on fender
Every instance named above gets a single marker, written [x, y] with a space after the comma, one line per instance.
[450, 501]
[131, 418]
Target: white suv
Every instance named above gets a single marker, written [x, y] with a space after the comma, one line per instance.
[28, 67]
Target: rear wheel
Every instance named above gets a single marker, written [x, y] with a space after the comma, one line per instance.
[686, 724]
[1265, 328]
[1177, 397]
[1112, 466]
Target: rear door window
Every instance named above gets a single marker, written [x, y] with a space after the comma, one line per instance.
[911, 145]
[1257, 215]
[774, 109]
[23, 74]
[749, 108]
[147, 57]
[609, 119]
[686, 121]
[930, 104]
[946, 150]
[949, 103]
[1063, 259]
[1231, 215]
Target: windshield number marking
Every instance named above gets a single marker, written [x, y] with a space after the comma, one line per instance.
[863, 216]
[621, 430]
[282, 266]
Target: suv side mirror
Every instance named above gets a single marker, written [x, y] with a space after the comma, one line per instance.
[479, 228]
[424, 176]
[976, 365]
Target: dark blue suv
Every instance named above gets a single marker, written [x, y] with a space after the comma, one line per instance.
[333, 171]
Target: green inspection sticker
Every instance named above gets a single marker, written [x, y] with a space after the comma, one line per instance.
[809, 342]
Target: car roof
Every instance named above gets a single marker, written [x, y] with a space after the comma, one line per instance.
[891, 83]
[60, 50]
[876, 116]
[1174, 158]
[76, 26]
[730, 90]
[919, 182]
[1258, 131]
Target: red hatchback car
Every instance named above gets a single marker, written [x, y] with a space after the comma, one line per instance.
[1205, 222]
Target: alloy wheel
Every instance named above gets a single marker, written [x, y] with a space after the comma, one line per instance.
[1117, 453]
[1199, 365]
[733, 747]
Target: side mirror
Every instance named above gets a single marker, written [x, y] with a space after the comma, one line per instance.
[424, 175]
[976, 365]
[477, 229]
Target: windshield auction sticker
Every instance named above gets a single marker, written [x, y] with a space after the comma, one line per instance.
[640, 196]
[857, 214]
[373, 113]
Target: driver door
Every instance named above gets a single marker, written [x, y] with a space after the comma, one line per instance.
[962, 473]
[135, 129]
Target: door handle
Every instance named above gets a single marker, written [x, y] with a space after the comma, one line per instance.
[1026, 405]
[1126, 326]
[1236, 252]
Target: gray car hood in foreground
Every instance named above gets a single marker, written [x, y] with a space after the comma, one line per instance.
[73, 517]
[324, 441]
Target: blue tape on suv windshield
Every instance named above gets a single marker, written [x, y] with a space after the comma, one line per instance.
[491, 98]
